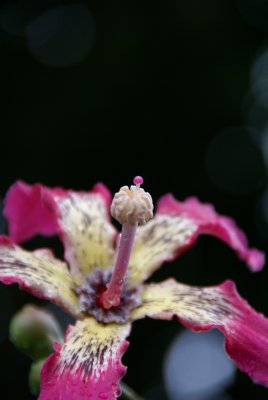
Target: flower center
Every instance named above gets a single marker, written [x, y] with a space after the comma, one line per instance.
[91, 291]
[131, 207]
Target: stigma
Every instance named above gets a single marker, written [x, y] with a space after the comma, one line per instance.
[131, 207]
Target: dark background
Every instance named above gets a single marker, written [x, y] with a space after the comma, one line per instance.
[175, 91]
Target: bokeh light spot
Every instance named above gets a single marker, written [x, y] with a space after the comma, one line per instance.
[61, 36]
[15, 16]
[257, 116]
[259, 79]
[196, 366]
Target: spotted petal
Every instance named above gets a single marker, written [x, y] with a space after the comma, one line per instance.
[88, 364]
[204, 308]
[80, 218]
[159, 240]
[39, 273]
[175, 228]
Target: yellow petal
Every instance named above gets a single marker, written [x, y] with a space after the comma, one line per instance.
[197, 305]
[159, 240]
[87, 232]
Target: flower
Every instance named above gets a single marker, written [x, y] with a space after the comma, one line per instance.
[104, 288]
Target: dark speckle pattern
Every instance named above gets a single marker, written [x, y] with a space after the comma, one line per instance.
[90, 348]
[88, 294]
[156, 242]
[197, 305]
[88, 235]
[39, 273]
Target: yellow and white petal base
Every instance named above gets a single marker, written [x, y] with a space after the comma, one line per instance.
[39, 273]
[88, 364]
[88, 235]
[161, 239]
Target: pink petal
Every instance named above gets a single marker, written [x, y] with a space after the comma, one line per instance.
[29, 211]
[208, 221]
[81, 219]
[204, 308]
[39, 273]
[88, 364]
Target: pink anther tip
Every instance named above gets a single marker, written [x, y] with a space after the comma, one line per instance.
[138, 180]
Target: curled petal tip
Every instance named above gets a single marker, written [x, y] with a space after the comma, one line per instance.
[208, 221]
[255, 260]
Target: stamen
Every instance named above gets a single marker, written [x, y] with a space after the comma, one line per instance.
[131, 207]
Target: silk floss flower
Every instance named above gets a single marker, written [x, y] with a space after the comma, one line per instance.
[103, 285]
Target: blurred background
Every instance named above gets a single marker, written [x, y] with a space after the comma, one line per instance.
[175, 91]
